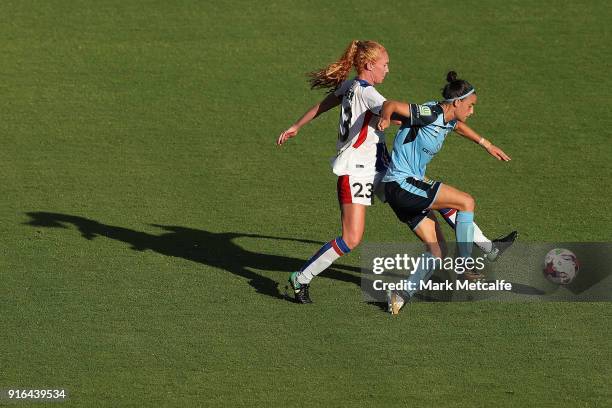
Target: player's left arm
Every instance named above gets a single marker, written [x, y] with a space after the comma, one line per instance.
[469, 133]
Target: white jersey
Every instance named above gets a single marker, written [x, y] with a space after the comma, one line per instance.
[360, 145]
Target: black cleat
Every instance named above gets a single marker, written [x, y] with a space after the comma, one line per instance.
[501, 244]
[300, 290]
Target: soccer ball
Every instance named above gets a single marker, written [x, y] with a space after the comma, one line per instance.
[561, 266]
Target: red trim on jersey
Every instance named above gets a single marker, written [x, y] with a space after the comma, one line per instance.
[450, 213]
[344, 190]
[336, 248]
[363, 134]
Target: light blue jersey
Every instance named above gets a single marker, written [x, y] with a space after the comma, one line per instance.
[416, 143]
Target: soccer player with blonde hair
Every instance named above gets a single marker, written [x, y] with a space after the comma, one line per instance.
[362, 156]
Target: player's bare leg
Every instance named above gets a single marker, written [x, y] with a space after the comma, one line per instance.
[353, 225]
[430, 233]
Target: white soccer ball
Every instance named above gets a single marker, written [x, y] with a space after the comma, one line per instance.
[561, 266]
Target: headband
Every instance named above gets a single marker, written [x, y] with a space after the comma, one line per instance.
[461, 97]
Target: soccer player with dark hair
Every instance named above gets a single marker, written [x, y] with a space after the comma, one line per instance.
[410, 193]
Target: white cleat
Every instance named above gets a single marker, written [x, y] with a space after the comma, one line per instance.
[395, 302]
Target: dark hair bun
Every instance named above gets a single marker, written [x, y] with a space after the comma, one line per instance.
[451, 76]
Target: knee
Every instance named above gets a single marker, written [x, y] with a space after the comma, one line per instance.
[468, 203]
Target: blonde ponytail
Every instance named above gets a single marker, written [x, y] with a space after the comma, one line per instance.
[357, 54]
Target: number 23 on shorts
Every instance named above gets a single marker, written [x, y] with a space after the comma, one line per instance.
[358, 190]
[355, 191]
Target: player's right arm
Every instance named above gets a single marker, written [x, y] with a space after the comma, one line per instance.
[470, 134]
[392, 108]
[329, 102]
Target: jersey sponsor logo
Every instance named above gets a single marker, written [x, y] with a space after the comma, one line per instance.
[424, 110]
[429, 152]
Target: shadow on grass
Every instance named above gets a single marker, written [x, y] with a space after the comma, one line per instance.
[217, 250]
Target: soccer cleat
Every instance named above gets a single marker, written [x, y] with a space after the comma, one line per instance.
[500, 245]
[300, 290]
[492, 256]
[395, 302]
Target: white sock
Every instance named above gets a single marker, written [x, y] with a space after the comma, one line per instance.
[481, 241]
[320, 261]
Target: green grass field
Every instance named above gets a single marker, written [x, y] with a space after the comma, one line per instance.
[148, 216]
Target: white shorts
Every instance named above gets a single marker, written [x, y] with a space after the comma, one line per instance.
[360, 190]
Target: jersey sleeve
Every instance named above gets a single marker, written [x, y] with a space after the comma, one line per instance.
[341, 90]
[423, 115]
[373, 100]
